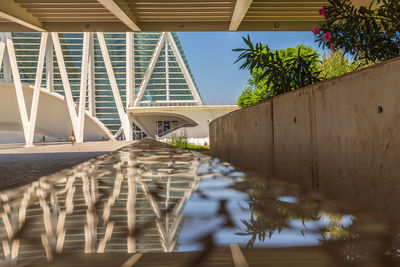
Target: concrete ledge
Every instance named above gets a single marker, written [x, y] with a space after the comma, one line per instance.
[337, 133]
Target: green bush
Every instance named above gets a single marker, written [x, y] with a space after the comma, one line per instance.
[280, 71]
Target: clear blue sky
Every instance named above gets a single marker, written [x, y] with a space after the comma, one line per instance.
[211, 58]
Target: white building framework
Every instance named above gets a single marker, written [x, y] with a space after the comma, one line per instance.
[103, 74]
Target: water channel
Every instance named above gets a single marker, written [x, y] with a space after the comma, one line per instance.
[150, 197]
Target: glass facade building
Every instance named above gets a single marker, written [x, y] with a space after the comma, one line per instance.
[169, 83]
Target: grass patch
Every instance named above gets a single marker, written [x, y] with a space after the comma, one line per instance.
[192, 147]
[181, 142]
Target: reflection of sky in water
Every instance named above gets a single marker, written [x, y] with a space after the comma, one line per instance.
[201, 218]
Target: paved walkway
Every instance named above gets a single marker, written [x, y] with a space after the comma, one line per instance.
[20, 166]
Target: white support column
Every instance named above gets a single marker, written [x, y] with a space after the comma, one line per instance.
[28, 125]
[133, 71]
[185, 71]
[114, 87]
[166, 69]
[83, 87]
[65, 81]
[6, 66]
[150, 69]
[3, 52]
[36, 92]
[91, 84]
[49, 66]
[129, 69]
[17, 84]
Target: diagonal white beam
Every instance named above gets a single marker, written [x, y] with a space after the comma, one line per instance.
[28, 125]
[83, 87]
[49, 66]
[17, 83]
[65, 81]
[123, 15]
[4, 61]
[117, 133]
[185, 71]
[91, 82]
[239, 12]
[15, 13]
[114, 87]
[150, 69]
[166, 69]
[2, 50]
[36, 92]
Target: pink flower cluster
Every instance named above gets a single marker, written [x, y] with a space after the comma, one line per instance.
[322, 11]
[327, 37]
[316, 30]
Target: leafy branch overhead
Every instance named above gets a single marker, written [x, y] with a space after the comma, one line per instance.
[370, 34]
[281, 70]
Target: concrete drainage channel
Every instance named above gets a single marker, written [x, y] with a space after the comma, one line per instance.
[131, 206]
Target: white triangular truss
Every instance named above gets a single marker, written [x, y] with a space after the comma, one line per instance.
[166, 40]
[50, 44]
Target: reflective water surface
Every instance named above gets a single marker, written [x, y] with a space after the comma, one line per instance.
[151, 198]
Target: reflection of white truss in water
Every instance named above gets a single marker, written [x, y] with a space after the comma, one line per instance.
[173, 86]
[129, 201]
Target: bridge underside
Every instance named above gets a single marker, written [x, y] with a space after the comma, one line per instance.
[165, 121]
[172, 15]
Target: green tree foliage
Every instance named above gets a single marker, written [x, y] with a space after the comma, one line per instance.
[304, 50]
[255, 92]
[370, 34]
[336, 64]
[275, 72]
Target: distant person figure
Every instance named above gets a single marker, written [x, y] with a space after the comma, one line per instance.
[72, 137]
[43, 139]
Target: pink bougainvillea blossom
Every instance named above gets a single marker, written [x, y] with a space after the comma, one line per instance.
[316, 30]
[333, 47]
[322, 11]
[327, 37]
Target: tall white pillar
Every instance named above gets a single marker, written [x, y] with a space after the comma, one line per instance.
[49, 65]
[129, 69]
[91, 82]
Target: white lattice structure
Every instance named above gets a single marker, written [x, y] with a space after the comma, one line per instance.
[110, 76]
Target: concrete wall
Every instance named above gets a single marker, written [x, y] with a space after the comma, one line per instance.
[341, 136]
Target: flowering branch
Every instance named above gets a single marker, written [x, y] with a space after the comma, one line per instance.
[371, 34]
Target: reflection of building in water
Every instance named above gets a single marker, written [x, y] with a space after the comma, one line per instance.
[131, 201]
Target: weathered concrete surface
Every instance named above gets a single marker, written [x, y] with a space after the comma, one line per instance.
[341, 136]
[293, 135]
[245, 154]
[20, 166]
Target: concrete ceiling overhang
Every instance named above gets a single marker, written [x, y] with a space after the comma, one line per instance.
[159, 15]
